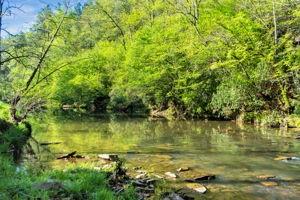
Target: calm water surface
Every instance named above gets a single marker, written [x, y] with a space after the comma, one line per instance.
[236, 154]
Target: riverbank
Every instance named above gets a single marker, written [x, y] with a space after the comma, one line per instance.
[264, 118]
[236, 154]
[154, 150]
[30, 180]
[73, 183]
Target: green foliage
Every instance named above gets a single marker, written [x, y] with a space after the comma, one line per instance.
[13, 138]
[294, 120]
[270, 119]
[16, 185]
[4, 111]
[169, 56]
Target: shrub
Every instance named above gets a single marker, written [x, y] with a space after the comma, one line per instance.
[4, 111]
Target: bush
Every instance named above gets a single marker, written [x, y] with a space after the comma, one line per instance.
[271, 119]
[294, 121]
[13, 138]
[4, 111]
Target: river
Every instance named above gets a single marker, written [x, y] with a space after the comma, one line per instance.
[236, 154]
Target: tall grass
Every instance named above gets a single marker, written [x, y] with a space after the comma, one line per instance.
[77, 183]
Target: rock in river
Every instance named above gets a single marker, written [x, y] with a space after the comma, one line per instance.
[196, 187]
[110, 157]
[183, 169]
[171, 175]
[269, 183]
[201, 178]
[192, 191]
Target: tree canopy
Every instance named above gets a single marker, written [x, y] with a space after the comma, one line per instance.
[186, 58]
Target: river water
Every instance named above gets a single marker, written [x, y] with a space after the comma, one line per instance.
[236, 154]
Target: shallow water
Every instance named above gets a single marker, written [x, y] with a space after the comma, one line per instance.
[236, 154]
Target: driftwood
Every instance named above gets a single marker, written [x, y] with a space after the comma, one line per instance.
[49, 143]
[70, 155]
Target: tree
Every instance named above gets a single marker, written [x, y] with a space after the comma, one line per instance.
[32, 66]
[190, 58]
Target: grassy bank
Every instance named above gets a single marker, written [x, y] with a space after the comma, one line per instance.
[73, 183]
[32, 182]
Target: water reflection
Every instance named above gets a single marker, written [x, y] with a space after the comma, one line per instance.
[237, 154]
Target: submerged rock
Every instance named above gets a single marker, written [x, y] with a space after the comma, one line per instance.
[269, 183]
[192, 191]
[110, 157]
[201, 178]
[171, 175]
[183, 169]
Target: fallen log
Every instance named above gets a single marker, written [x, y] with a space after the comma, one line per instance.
[70, 155]
[49, 143]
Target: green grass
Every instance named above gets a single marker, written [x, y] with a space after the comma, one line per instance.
[78, 183]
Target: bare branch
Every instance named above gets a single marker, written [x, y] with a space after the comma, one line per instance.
[190, 9]
[116, 25]
[44, 54]
[54, 71]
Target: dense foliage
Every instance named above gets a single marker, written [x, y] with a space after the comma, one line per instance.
[198, 58]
